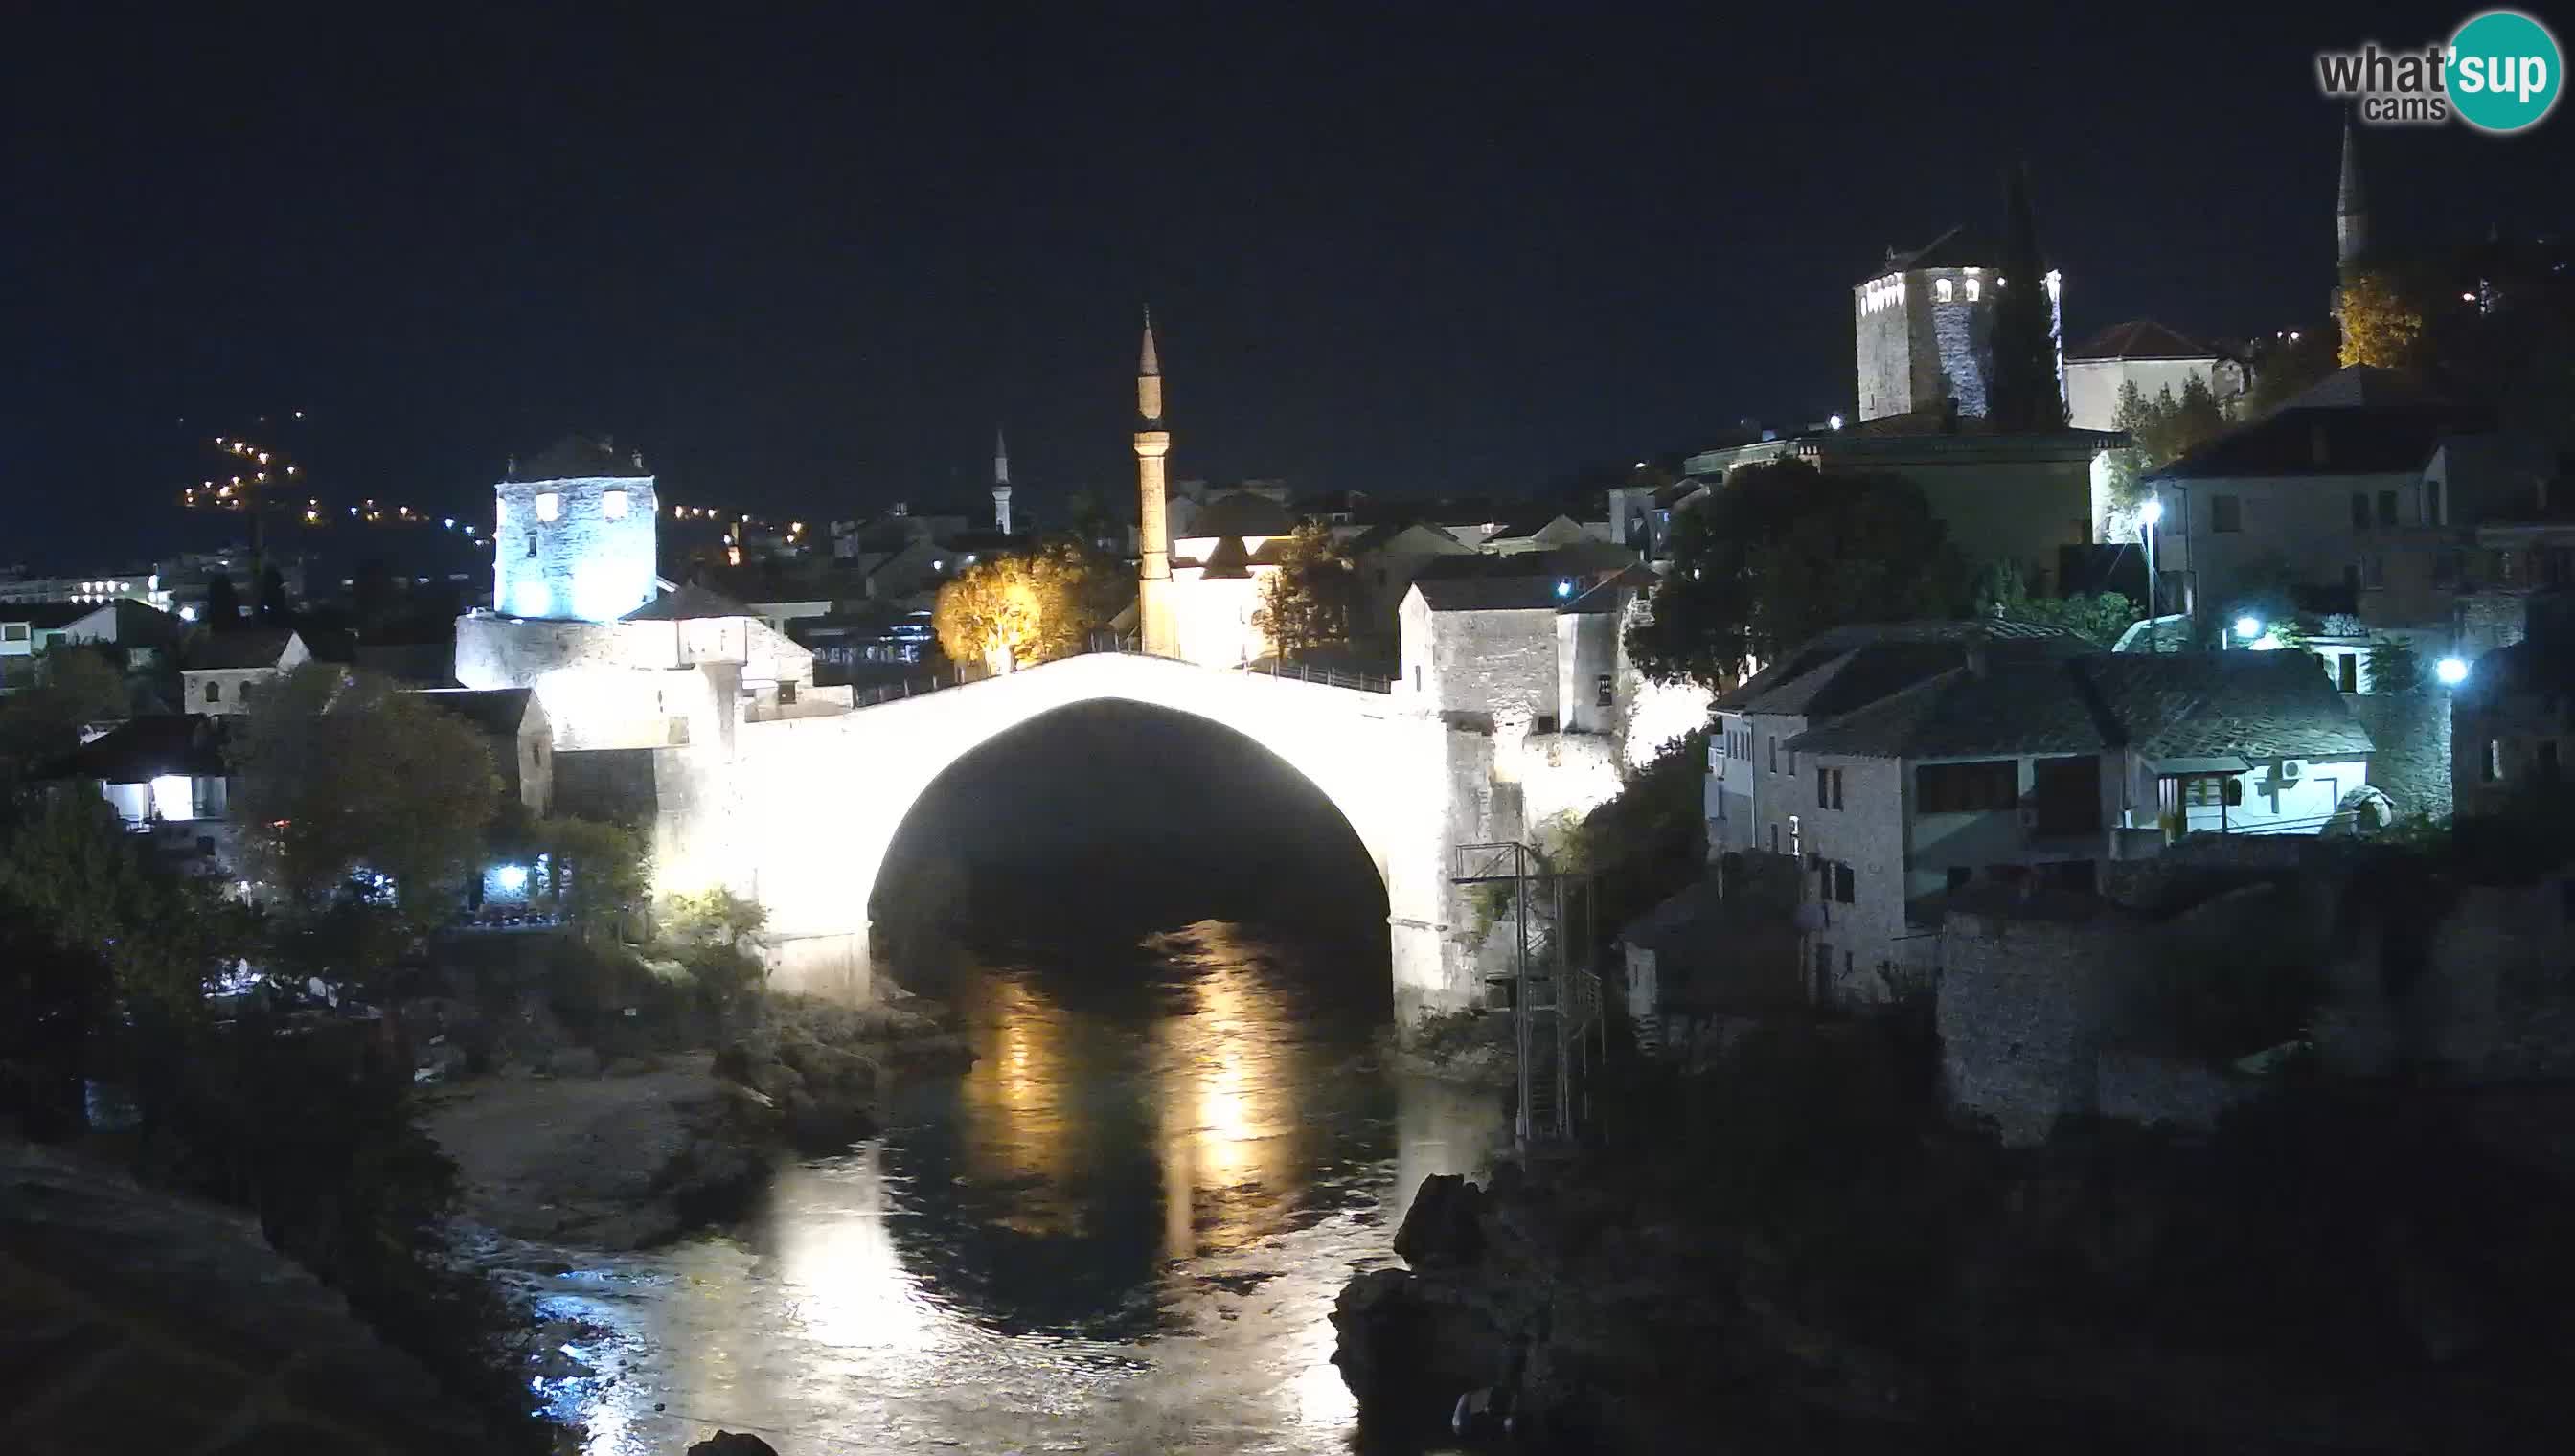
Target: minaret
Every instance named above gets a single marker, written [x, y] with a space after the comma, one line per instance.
[1000, 483]
[2351, 208]
[1155, 626]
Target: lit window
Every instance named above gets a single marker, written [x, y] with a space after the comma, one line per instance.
[1975, 288]
[1943, 289]
[612, 504]
[549, 506]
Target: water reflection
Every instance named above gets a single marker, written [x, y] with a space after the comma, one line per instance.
[1123, 1230]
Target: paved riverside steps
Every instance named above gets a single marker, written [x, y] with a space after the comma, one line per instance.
[134, 1320]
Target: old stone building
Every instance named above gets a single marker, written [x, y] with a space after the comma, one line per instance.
[574, 534]
[1925, 326]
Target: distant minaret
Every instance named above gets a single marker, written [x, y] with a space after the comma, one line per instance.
[1154, 621]
[2351, 208]
[1000, 483]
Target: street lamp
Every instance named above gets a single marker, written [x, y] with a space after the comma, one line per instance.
[2248, 627]
[2451, 671]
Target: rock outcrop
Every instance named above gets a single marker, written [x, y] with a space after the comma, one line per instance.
[819, 1065]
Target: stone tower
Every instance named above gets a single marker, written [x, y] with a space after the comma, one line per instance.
[575, 534]
[1155, 627]
[1000, 483]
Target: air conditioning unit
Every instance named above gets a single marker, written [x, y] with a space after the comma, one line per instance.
[2291, 768]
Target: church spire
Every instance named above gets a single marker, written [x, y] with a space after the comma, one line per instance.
[2352, 206]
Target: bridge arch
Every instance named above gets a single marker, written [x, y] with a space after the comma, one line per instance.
[815, 801]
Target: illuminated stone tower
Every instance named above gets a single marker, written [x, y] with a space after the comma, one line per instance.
[575, 534]
[1000, 483]
[1155, 625]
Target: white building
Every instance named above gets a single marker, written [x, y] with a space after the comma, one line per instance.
[226, 669]
[2032, 770]
[1223, 551]
[2143, 353]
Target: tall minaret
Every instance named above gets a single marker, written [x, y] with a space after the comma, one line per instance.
[2351, 207]
[1000, 483]
[1159, 634]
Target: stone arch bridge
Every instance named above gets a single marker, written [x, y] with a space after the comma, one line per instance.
[814, 803]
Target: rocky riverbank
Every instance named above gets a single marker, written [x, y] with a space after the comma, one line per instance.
[2344, 1273]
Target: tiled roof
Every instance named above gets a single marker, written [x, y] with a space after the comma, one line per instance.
[1757, 693]
[2250, 705]
[578, 456]
[1489, 594]
[2318, 439]
[257, 647]
[687, 603]
[1242, 513]
[2140, 339]
[497, 711]
[1612, 595]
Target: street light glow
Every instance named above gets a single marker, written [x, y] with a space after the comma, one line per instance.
[2451, 671]
[2248, 627]
[2152, 512]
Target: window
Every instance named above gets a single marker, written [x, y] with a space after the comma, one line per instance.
[13, 632]
[1843, 885]
[2347, 672]
[612, 503]
[2490, 767]
[1829, 789]
[1985, 787]
[532, 546]
[1775, 755]
[1775, 839]
[1975, 288]
[1943, 289]
[549, 504]
[2225, 513]
[1605, 691]
[786, 695]
[214, 691]
[2359, 510]
[2388, 508]
[1416, 676]
[2209, 791]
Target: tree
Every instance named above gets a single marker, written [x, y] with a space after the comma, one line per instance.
[598, 870]
[223, 603]
[1022, 607]
[338, 774]
[1780, 553]
[75, 687]
[2382, 321]
[2287, 367]
[2393, 666]
[2100, 616]
[1305, 602]
[273, 610]
[718, 935]
[2027, 395]
[2161, 431]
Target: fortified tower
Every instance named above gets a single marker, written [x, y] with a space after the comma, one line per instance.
[1155, 627]
[575, 534]
[1000, 483]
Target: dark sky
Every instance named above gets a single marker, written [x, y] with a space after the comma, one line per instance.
[807, 262]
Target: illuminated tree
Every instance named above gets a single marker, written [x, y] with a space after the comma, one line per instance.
[1305, 602]
[2382, 322]
[2099, 616]
[1024, 608]
[2161, 431]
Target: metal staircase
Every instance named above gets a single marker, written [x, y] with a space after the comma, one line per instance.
[1552, 991]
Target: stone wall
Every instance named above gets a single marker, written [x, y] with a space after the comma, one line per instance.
[1497, 663]
[2411, 763]
[583, 564]
[2024, 1008]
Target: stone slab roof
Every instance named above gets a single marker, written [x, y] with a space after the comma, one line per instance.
[2319, 439]
[688, 604]
[2138, 339]
[2186, 705]
[1489, 594]
[1780, 686]
[256, 647]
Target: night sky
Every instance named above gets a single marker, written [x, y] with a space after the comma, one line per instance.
[807, 264]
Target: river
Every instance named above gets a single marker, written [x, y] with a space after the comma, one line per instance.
[1122, 1231]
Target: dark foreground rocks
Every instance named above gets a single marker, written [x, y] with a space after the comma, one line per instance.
[733, 1443]
[141, 1321]
[818, 1067]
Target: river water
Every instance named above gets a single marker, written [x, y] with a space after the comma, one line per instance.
[1123, 1230]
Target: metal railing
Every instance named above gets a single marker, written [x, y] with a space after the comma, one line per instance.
[963, 674]
[1559, 1029]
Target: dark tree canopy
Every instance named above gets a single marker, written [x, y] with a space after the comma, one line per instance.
[2026, 393]
[223, 603]
[1781, 553]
